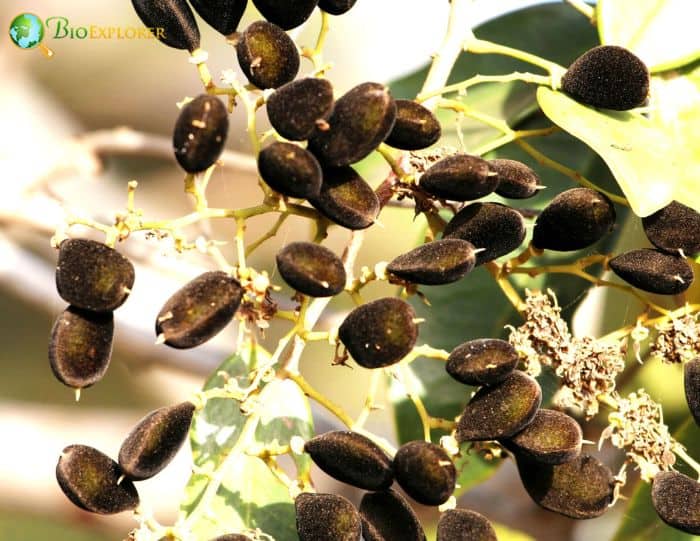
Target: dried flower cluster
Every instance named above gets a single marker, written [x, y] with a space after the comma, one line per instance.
[678, 339]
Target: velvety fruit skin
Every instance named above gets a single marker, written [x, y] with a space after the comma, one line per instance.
[286, 14]
[290, 170]
[425, 471]
[653, 271]
[92, 276]
[379, 333]
[295, 109]
[609, 77]
[464, 525]
[346, 199]
[199, 310]
[435, 263]
[231, 537]
[691, 383]
[460, 177]
[155, 441]
[336, 7]
[200, 133]
[311, 269]
[675, 228]
[90, 480]
[515, 179]
[387, 516]
[326, 517]
[485, 361]
[267, 56]
[222, 15]
[360, 121]
[573, 220]
[351, 458]
[416, 127]
[676, 499]
[80, 347]
[175, 17]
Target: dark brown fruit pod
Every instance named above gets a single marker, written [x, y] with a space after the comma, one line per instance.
[200, 133]
[387, 516]
[425, 472]
[464, 525]
[434, 263]
[676, 499]
[267, 55]
[582, 488]
[346, 199]
[691, 383]
[326, 517]
[290, 170]
[460, 177]
[493, 228]
[295, 109]
[286, 14]
[93, 276]
[360, 121]
[199, 310]
[653, 271]
[155, 441]
[500, 411]
[485, 361]
[222, 15]
[675, 229]
[609, 77]
[379, 333]
[573, 220]
[80, 346]
[552, 437]
[232, 537]
[336, 7]
[311, 269]
[415, 128]
[93, 481]
[351, 458]
[515, 179]
[172, 22]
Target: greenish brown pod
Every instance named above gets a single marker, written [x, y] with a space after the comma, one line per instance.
[500, 411]
[653, 271]
[172, 22]
[336, 7]
[295, 109]
[199, 310]
[415, 128]
[691, 383]
[80, 347]
[425, 472]
[351, 458]
[326, 517]
[676, 499]
[311, 269]
[675, 229]
[515, 179]
[93, 481]
[200, 133]
[222, 15]
[464, 525]
[551, 438]
[460, 177]
[582, 488]
[92, 276]
[232, 537]
[379, 333]
[438, 262]
[290, 170]
[485, 361]
[360, 121]
[387, 516]
[286, 14]
[267, 56]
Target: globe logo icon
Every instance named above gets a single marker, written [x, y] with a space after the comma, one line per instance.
[26, 30]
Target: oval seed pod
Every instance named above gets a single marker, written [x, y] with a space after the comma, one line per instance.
[425, 471]
[91, 480]
[286, 14]
[653, 271]
[155, 441]
[675, 228]
[232, 537]
[573, 220]
[200, 133]
[494, 228]
[290, 170]
[434, 263]
[486, 361]
[80, 347]
[326, 517]
[460, 177]
[174, 17]
[415, 128]
[295, 109]
[551, 438]
[379, 333]
[351, 458]
[93, 276]
[336, 7]
[199, 310]
[676, 499]
[582, 488]
[360, 121]
[267, 56]
[387, 516]
[311, 269]
[346, 199]
[222, 15]
[515, 179]
[607, 76]
[691, 383]
[464, 525]
[500, 411]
